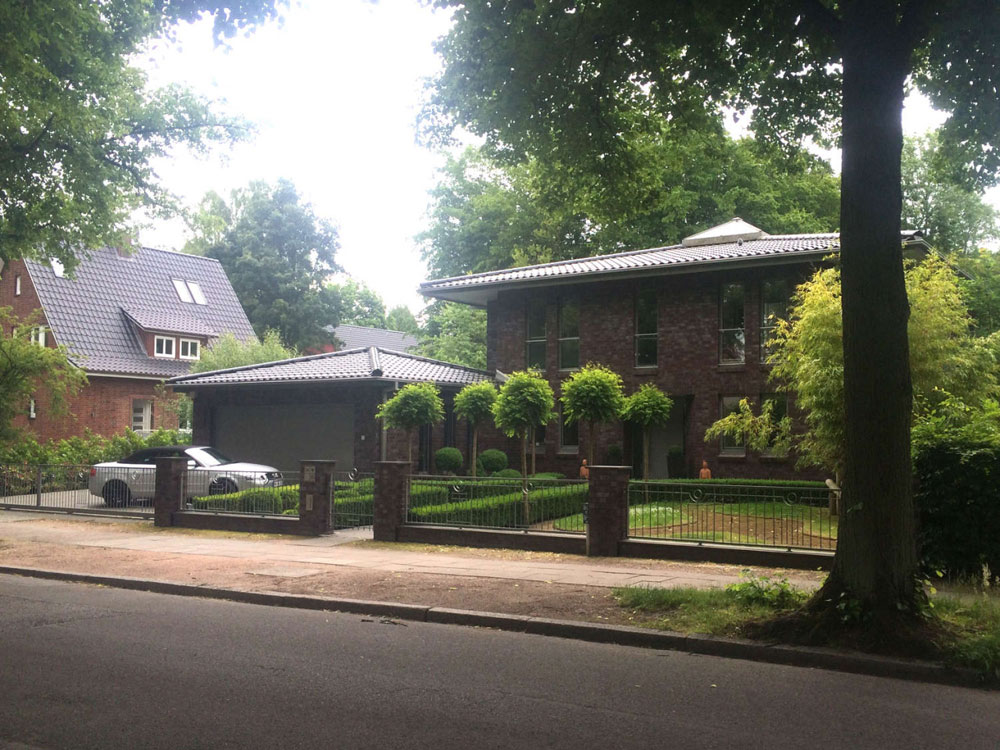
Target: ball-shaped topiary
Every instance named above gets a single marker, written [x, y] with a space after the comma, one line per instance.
[448, 460]
[493, 461]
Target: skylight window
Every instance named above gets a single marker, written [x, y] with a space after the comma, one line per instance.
[190, 292]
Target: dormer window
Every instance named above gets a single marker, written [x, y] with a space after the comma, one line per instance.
[190, 292]
[163, 346]
[190, 349]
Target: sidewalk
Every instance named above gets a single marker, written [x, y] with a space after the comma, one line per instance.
[347, 563]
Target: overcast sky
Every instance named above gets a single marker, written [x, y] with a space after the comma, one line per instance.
[334, 93]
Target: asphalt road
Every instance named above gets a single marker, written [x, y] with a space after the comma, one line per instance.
[83, 666]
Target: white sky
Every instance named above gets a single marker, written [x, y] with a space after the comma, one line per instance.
[334, 94]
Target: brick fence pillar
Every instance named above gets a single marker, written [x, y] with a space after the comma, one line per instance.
[391, 489]
[607, 509]
[316, 496]
[168, 497]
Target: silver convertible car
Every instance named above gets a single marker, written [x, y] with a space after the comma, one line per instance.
[209, 473]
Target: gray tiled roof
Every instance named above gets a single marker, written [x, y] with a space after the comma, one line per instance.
[348, 365]
[355, 337]
[86, 313]
[474, 288]
[167, 322]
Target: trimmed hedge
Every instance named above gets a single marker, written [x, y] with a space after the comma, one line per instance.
[285, 500]
[492, 461]
[448, 460]
[957, 500]
[505, 509]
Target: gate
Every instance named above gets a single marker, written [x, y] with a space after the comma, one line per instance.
[75, 489]
[353, 499]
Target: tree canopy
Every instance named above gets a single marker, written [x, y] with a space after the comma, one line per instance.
[578, 82]
[525, 402]
[228, 351]
[80, 128]
[593, 395]
[359, 305]
[413, 406]
[455, 333]
[277, 254]
[648, 407]
[475, 403]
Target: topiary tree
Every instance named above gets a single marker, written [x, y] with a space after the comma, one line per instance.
[413, 406]
[475, 403]
[592, 395]
[448, 460]
[648, 407]
[493, 460]
[525, 402]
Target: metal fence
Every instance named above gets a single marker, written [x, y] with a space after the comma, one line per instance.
[353, 499]
[757, 515]
[260, 493]
[74, 487]
[498, 503]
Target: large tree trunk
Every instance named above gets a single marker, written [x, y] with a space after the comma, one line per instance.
[876, 559]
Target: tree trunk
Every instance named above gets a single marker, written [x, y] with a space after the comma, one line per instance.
[524, 478]
[592, 443]
[645, 454]
[475, 448]
[532, 445]
[876, 559]
[409, 448]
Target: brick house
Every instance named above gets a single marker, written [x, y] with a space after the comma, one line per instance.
[130, 321]
[692, 318]
[323, 407]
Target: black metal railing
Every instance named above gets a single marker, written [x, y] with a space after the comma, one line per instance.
[75, 487]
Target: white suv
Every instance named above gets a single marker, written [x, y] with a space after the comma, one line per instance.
[209, 473]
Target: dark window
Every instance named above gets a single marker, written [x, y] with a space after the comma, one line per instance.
[645, 328]
[731, 325]
[730, 446]
[569, 435]
[569, 336]
[774, 296]
[535, 336]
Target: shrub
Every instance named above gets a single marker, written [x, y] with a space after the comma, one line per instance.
[507, 473]
[493, 461]
[766, 592]
[958, 506]
[86, 449]
[448, 460]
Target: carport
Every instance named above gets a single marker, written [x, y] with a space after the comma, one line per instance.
[321, 407]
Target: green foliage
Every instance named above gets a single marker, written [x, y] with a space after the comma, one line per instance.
[400, 318]
[86, 449]
[647, 407]
[475, 402]
[448, 460]
[413, 406]
[945, 359]
[80, 129]
[775, 594]
[228, 351]
[277, 254]
[525, 401]
[455, 333]
[493, 460]
[507, 474]
[27, 370]
[953, 216]
[359, 305]
[496, 505]
[592, 394]
[487, 213]
[958, 504]
[982, 289]
[759, 432]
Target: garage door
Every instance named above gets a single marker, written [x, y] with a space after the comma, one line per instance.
[282, 436]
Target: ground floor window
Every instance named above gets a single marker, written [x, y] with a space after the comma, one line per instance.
[729, 446]
[142, 415]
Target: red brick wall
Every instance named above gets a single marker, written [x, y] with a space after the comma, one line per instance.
[104, 405]
[687, 352]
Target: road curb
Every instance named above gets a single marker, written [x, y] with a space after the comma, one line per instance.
[622, 635]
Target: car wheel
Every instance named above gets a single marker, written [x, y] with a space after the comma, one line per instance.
[116, 494]
[222, 486]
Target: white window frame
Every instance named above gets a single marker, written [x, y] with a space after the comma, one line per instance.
[199, 296]
[32, 413]
[189, 356]
[17, 285]
[147, 415]
[181, 287]
[165, 355]
[38, 336]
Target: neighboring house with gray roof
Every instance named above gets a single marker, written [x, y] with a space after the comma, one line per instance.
[692, 318]
[130, 321]
[353, 337]
[322, 406]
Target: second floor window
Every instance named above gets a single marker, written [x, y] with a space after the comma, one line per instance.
[190, 349]
[163, 346]
[569, 335]
[534, 348]
[645, 329]
[732, 337]
[774, 297]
